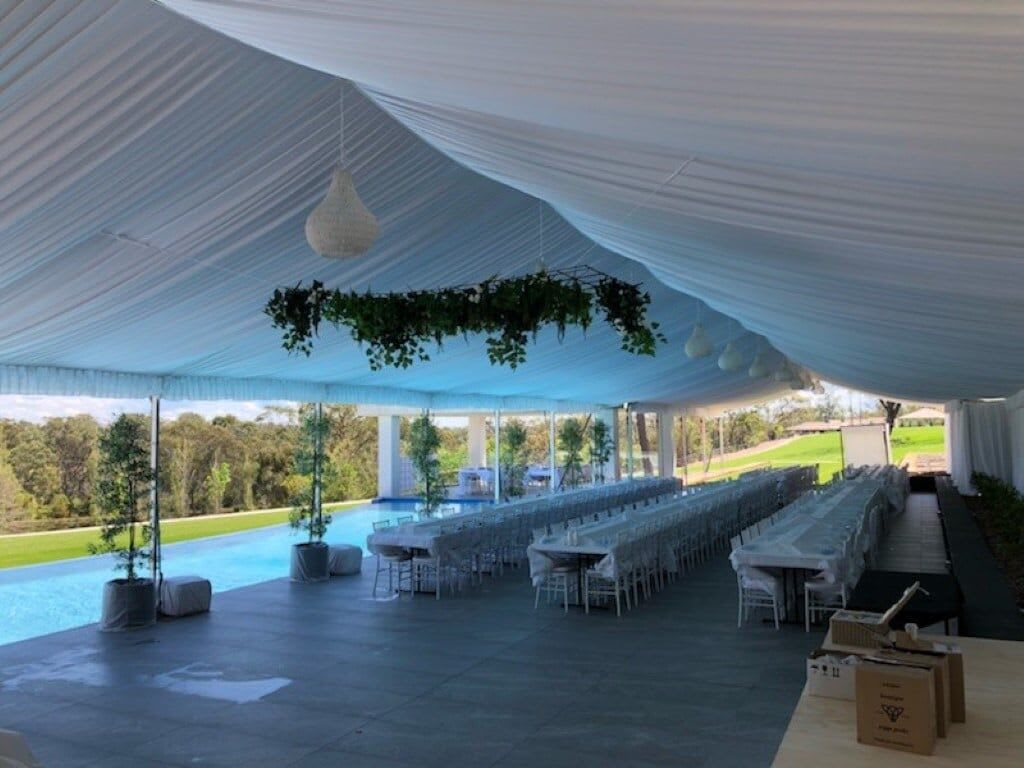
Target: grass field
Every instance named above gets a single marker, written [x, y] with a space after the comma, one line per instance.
[825, 451]
[30, 549]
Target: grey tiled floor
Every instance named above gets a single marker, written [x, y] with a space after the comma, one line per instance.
[914, 542]
[482, 680]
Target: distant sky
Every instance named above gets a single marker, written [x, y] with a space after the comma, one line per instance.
[38, 408]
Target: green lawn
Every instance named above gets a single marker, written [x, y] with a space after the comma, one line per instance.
[824, 450]
[46, 547]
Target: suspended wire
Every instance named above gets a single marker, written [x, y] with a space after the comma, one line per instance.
[341, 123]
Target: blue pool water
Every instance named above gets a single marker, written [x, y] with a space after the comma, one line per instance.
[40, 599]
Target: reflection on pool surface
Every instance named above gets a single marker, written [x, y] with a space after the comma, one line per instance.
[39, 599]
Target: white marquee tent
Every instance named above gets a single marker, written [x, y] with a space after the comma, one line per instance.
[844, 179]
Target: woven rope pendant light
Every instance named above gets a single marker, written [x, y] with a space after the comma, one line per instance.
[341, 227]
[731, 360]
[698, 345]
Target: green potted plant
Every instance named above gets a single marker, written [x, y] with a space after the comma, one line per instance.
[600, 448]
[513, 438]
[310, 560]
[571, 438]
[122, 492]
[424, 442]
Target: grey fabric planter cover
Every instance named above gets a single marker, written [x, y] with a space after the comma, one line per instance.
[346, 559]
[185, 595]
[310, 562]
[128, 604]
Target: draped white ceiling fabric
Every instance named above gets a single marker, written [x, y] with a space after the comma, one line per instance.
[156, 176]
[844, 177]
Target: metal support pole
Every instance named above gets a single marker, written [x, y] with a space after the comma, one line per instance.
[629, 442]
[721, 441]
[318, 451]
[154, 492]
[552, 460]
[686, 461]
[497, 456]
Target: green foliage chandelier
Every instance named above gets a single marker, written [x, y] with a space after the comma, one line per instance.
[397, 327]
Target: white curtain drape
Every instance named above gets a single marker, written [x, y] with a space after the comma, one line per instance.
[844, 177]
[1015, 413]
[978, 439]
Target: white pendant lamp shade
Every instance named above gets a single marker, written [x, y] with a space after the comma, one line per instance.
[698, 345]
[731, 359]
[759, 369]
[341, 227]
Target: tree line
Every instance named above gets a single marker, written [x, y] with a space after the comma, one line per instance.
[48, 472]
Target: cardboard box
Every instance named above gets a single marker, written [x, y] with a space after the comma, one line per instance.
[865, 628]
[940, 665]
[831, 674]
[955, 659]
[896, 706]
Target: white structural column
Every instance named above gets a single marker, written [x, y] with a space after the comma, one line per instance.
[389, 458]
[686, 459]
[629, 442]
[666, 444]
[154, 489]
[552, 462]
[616, 472]
[477, 439]
[497, 456]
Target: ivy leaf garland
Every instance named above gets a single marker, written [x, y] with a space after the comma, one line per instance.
[396, 328]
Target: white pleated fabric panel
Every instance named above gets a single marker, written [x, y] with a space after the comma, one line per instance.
[156, 178]
[844, 177]
[979, 438]
[1015, 413]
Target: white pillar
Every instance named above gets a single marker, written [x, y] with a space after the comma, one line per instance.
[389, 457]
[666, 445]
[552, 459]
[154, 490]
[686, 458]
[616, 472]
[629, 442]
[477, 438]
[497, 456]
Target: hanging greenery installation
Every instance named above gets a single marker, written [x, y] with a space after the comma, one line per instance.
[396, 328]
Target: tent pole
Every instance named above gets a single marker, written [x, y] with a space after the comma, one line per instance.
[629, 442]
[497, 456]
[552, 482]
[318, 449]
[154, 492]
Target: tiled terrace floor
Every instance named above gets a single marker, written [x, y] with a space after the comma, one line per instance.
[338, 679]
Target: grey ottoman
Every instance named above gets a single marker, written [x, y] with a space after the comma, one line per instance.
[345, 559]
[185, 595]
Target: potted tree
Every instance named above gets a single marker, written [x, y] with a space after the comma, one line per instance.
[310, 561]
[124, 482]
[600, 448]
[512, 467]
[570, 440]
[424, 441]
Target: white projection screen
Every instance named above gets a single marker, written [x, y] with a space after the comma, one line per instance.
[865, 444]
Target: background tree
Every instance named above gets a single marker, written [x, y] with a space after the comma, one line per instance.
[571, 438]
[311, 463]
[891, 408]
[513, 467]
[123, 492]
[600, 447]
[217, 485]
[75, 443]
[424, 441]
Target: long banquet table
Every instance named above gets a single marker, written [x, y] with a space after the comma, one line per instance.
[608, 543]
[827, 532]
[448, 538]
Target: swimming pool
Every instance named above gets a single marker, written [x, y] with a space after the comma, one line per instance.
[39, 599]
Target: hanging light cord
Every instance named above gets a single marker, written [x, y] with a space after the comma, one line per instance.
[341, 123]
